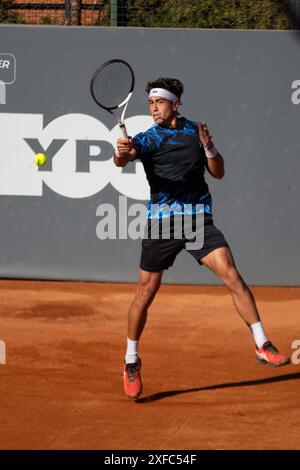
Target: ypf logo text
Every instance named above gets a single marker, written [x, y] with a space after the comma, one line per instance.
[79, 152]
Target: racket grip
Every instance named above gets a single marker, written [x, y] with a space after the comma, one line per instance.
[123, 131]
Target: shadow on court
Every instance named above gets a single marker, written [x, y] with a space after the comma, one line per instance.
[249, 383]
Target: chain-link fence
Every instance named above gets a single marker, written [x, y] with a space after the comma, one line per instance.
[57, 12]
[248, 14]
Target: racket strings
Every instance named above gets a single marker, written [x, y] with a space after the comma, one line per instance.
[112, 85]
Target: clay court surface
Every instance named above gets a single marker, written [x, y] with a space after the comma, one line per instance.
[61, 387]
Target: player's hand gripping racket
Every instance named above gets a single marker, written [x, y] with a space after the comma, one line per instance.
[111, 87]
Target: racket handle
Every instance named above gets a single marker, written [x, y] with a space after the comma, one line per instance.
[123, 131]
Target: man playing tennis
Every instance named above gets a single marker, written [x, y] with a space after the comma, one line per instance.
[175, 153]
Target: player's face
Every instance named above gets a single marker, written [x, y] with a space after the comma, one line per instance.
[162, 110]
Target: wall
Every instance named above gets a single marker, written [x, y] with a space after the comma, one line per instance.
[243, 83]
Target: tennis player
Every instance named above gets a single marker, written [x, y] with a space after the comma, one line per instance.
[175, 153]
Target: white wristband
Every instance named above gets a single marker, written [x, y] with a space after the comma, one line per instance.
[212, 152]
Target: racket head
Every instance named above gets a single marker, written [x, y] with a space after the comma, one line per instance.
[112, 84]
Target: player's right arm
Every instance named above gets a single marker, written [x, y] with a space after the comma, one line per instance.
[124, 153]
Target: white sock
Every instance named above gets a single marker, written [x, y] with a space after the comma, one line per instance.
[259, 334]
[132, 351]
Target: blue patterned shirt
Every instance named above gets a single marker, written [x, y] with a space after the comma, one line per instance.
[173, 161]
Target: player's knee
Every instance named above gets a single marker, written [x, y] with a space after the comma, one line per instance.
[232, 279]
[148, 290]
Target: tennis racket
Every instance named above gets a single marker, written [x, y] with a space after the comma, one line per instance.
[111, 87]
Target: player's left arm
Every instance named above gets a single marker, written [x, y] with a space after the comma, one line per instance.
[215, 166]
[213, 163]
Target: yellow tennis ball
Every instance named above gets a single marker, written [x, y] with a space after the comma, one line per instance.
[40, 159]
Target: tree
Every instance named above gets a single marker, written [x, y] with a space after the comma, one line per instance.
[244, 14]
[7, 15]
[76, 12]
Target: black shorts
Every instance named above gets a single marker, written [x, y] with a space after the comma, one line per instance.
[159, 253]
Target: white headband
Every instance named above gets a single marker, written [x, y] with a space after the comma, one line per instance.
[164, 94]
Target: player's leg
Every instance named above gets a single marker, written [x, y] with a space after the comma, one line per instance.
[220, 261]
[149, 284]
[157, 255]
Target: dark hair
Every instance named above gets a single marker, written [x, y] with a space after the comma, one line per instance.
[171, 84]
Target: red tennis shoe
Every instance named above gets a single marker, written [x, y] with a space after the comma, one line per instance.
[270, 355]
[132, 379]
